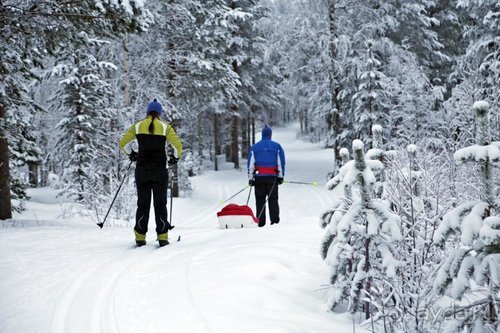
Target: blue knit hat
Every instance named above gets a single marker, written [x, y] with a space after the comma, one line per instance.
[154, 106]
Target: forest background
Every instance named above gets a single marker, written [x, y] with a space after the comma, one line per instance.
[75, 75]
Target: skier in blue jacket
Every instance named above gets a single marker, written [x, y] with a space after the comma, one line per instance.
[266, 170]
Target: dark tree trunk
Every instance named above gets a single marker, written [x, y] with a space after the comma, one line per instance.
[5, 203]
[306, 121]
[253, 131]
[368, 280]
[80, 172]
[235, 128]
[199, 137]
[126, 71]
[234, 137]
[33, 174]
[217, 150]
[175, 169]
[245, 137]
[227, 152]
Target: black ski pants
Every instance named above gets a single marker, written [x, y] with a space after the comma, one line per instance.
[147, 185]
[267, 186]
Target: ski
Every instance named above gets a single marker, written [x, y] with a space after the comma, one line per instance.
[135, 246]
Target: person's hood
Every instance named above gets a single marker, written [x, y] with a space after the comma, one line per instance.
[267, 132]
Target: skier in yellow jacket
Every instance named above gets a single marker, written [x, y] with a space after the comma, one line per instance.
[151, 174]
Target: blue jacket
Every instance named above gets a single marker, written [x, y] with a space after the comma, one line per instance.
[266, 157]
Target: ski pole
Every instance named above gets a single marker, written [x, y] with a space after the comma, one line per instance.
[171, 200]
[302, 183]
[112, 202]
[224, 201]
[170, 184]
[248, 199]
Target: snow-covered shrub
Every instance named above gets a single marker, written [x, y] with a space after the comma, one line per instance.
[418, 189]
[472, 267]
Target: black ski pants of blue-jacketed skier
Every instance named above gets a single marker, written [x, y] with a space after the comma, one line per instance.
[267, 186]
[148, 183]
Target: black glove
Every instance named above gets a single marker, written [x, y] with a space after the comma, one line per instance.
[172, 160]
[251, 182]
[280, 180]
[132, 156]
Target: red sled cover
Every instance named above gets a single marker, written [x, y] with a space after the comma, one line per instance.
[236, 217]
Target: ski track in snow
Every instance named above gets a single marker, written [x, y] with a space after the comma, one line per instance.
[74, 299]
[103, 314]
[102, 284]
[204, 214]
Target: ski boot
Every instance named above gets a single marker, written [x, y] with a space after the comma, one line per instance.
[140, 239]
[163, 239]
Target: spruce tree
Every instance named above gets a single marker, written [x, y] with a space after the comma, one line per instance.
[368, 101]
[30, 32]
[86, 119]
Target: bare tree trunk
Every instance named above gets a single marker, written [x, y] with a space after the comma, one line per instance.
[366, 268]
[33, 174]
[253, 130]
[217, 150]
[245, 137]
[199, 137]
[235, 128]
[126, 71]
[306, 122]
[5, 203]
[175, 168]
[301, 121]
[80, 171]
[234, 137]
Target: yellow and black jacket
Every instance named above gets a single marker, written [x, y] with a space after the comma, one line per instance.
[152, 155]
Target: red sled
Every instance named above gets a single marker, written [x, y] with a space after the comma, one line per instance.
[237, 217]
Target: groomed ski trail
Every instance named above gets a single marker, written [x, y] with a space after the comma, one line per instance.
[215, 281]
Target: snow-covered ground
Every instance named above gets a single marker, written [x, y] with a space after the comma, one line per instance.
[67, 275]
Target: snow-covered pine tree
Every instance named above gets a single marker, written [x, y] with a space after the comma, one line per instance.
[413, 28]
[477, 72]
[258, 72]
[447, 21]
[29, 33]
[411, 118]
[245, 49]
[368, 101]
[83, 99]
[473, 265]
[194, 55]
[362, 257]
[211, 76]
[300, 49]
[481, 60]
[23, 148]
